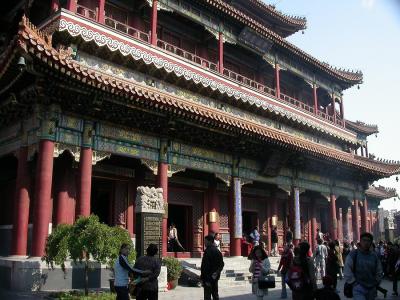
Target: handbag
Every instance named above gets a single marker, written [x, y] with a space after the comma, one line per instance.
[266, 282]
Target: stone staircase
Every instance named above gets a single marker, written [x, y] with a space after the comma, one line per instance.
[235, 273]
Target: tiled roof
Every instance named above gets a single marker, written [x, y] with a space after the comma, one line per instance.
[361, 127]
[295, 21]
[381, 192]
[350, 77]
[31, 41]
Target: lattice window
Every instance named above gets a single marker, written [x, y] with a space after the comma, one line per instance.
[224, 212]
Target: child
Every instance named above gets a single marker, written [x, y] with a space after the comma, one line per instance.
[327, 292]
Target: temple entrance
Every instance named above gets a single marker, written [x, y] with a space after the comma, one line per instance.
[250, 220]
[181, 216]
[102, 198]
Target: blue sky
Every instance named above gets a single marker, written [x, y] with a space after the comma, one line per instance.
[365, 35]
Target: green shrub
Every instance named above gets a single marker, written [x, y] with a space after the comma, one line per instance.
[174, 268]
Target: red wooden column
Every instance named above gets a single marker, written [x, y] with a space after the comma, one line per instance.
[221, 52]
[371, 220]
[85, 182]
[43, 202]
[63, 214]
[22, 202]
[85, 172]
[332, 217]
[55, 5]
[213, 207]
[277, 81]
[297, 223]
[341, 109]
[268, 220]
[162, 182]
[314, 223]
[132, 191]
[355, 216]
[315, 96]
[333, 108]
[154, 23]
[101, 12]
[339, 225]
[364, 216]
[71, 5]
[235, 217]
[346, 224]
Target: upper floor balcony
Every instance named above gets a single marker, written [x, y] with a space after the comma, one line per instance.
[117, 19]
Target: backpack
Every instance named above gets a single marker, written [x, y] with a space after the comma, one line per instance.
[296, 278]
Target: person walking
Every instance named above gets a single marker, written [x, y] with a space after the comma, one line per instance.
[332, 264]
[320, 235]
[217, 241]
[339, 255]
[174, 244]
[301, 275]
[255, 236]
[274, 241]
[363, 269]
[320, 255]
[122, 269]
[289, 236]
[393, 258]
[259, 266]
[284, 265]
[147, 288]
[211, 268]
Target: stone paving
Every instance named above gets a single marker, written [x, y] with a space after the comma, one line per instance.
[192, 293]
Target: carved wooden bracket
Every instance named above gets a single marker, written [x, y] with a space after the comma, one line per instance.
[225, 178]
[59, 148]
[99, 156]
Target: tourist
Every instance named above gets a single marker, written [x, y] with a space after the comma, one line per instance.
[301, 275]
[353, 246]
[339, 254]
[363, 269]
[217, 241]
[393, 258]
[122, 269]
[173, 241]
[284, 265]
[259, 266]
[332, 264]
[320, 255]
[274, 241]
[255, 236]
[289, 236]
[327, 292]
[147, 289]
[320, 235]
[211, 268]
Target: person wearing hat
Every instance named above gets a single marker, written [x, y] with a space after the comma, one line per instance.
[328, 291]
[147, 289]
[211, 268]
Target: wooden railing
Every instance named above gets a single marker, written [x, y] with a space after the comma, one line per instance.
[187, 55]
[86, 12]
[249, 82]
[135, 33]
[145, 37]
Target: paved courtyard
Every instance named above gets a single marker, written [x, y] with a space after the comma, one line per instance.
[190, 293]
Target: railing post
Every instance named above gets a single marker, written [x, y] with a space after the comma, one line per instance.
[154, 23]
[221, 52]
[71, 5]
[101, 12]
[315, 99]
[277, 82]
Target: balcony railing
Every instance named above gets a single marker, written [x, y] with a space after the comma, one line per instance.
[145, 37]
[86, 12]
[187, 55]
[135, 33]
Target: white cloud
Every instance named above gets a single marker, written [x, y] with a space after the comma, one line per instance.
[369, 4]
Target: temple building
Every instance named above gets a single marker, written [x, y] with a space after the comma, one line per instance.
[204, 98]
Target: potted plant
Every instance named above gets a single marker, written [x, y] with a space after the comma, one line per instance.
[174, 270]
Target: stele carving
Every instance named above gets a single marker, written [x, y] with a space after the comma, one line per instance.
[150, 200]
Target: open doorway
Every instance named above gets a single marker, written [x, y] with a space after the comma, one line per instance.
[181, 216]
[102, 198]
[250, 220]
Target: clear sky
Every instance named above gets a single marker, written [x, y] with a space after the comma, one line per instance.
[364, 35]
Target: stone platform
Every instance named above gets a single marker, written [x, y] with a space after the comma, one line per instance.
[31, 274]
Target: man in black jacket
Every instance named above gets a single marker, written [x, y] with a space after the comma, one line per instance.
[211, 267]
